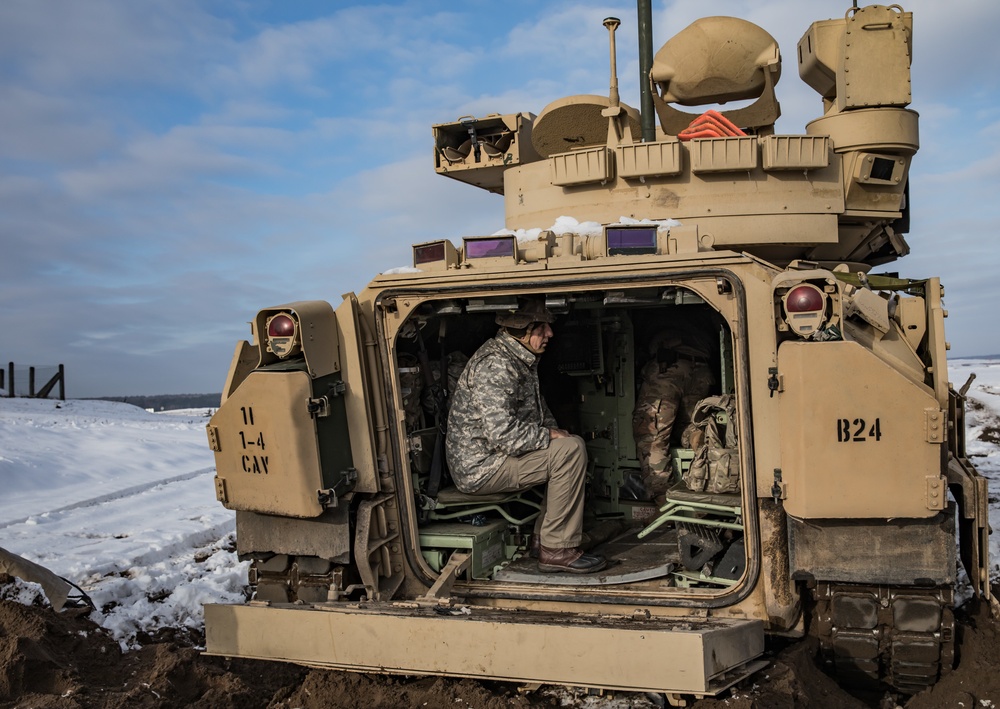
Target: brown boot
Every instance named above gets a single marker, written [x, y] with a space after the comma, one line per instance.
[536, 544]
[574, 560]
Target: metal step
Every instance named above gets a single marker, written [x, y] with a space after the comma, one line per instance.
[632, 653]
[630, 560]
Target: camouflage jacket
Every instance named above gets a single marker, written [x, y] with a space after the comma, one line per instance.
[497, 411]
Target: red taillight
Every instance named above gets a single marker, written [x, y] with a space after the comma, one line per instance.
[805, 298]
[281, 326]
[805, 309]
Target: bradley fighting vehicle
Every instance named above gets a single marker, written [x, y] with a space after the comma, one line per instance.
[846, 479]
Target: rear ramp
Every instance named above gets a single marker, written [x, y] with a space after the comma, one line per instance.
[684, 656]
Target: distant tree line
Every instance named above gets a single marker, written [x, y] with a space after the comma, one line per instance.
[169, 402]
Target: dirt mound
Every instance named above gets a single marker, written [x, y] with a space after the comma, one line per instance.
[54, 660]
[324, 689]
[791, 680]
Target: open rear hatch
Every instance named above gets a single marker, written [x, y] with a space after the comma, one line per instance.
[633, 653]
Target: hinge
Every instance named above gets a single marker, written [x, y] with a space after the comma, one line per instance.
[213, 438]
[318, 408]
[934, 427]
[328, 497]
[936, 492]
[779, 490]
[220, 490]
[775, 381]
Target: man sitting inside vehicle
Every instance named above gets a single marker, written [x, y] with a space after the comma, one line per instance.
[502, 437]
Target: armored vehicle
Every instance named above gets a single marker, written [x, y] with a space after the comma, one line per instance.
[817, 483]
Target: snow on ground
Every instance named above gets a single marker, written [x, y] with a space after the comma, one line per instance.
[982, 437]
[121, 502]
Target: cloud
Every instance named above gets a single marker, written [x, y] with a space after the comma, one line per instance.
[170, 167]
[77, 46]
[49, 129]
[300, 55]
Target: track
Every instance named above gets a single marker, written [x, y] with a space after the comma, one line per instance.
[870, 635]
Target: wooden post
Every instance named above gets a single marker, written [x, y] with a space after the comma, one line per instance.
[31, 382]
[10, 392]
[62, 383]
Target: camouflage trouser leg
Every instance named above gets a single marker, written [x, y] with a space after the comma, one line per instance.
[666, 401]
[653, 424]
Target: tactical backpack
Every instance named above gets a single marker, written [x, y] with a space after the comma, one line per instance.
[712, 432]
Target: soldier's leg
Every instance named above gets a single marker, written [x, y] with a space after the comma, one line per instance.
[563, 465]
[653, 425]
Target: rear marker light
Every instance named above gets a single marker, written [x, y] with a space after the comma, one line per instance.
[282, 335]
[805, 309]
[281, 326]
[805, 299]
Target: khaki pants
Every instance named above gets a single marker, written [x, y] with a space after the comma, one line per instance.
[563, 465]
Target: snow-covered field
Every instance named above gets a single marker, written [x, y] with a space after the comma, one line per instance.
[122, 503]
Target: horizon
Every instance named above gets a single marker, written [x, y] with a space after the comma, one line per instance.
[123, 398]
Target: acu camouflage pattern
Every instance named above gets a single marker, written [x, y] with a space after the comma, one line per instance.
[411, 384]
[667, 396]
[456, 362]
[419, 401]
[497, 411]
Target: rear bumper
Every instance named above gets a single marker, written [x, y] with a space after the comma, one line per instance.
[690, 656]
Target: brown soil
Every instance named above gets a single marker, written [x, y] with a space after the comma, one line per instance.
[63, 660]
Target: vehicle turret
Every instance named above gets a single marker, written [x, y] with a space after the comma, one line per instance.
[835, 194]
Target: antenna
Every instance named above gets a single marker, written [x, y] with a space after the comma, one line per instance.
[612, 24]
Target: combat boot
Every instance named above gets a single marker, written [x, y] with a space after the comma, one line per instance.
[573, 560]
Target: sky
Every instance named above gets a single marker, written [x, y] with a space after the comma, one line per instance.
[126, 508]
[168, 168]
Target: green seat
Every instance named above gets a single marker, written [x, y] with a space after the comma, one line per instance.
[452, 503]
[682, 505]
[688, 511]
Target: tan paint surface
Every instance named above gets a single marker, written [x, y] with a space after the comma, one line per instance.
[654, 655]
